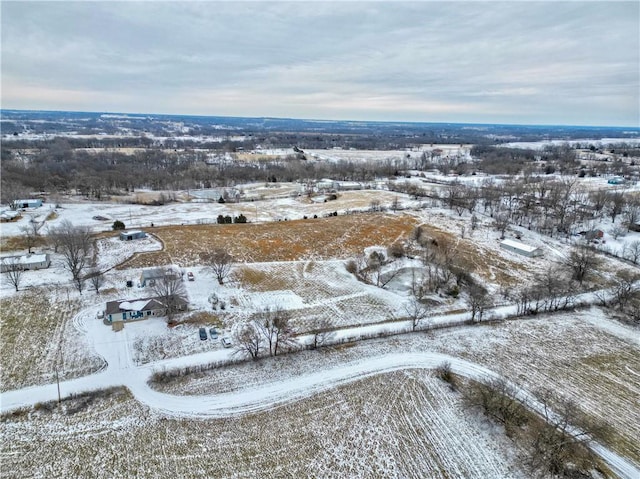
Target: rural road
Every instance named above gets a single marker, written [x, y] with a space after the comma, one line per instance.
[121, 371]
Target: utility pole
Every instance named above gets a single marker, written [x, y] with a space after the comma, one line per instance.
[58, 384]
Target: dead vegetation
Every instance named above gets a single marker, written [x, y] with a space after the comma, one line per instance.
[319, 238]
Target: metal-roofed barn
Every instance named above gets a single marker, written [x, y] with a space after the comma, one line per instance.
[520, 248]
[132, 235]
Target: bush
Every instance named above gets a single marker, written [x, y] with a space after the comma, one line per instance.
[118, 225]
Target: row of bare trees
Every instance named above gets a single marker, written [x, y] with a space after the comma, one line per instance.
[270, 331]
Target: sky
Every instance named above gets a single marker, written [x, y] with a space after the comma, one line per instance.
[516, 62]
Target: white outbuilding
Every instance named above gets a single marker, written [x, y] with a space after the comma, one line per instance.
[520, 248]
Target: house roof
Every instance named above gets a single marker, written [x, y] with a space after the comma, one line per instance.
[27, 259]
[140, 304]
[518, 245]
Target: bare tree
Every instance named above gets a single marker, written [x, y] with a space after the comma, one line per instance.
[479, 301]
[322, 333]
[220, 263]
[631, 251]
[248, 340]
[416, 312]
[75, 246]
[617, 203]
[14, 271]
[30, 232]
[96, 278]
[275, 326]
[559, 442]
[170, 290]
[501, 223]
[582, 262]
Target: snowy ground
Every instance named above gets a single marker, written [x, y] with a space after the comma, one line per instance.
[588, 355]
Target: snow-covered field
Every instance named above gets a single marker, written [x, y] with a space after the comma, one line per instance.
[291, 419]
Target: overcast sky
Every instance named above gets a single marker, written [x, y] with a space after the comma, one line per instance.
[480, 62]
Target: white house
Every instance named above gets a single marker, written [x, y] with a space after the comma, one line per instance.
[520, 248]
[25, 262]
[28, 203]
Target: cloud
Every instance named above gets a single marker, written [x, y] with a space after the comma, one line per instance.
[563, 62]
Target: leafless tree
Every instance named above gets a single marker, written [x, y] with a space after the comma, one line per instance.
[220, 263]
[322, 333]
[631, 251]
[30, 232]
[275, 325]
[14, 271]
[626, 286]
[248, 340]
[582, 262]
[479, 300]
[559, 442]
[96, 278]
[501, 223]
[75, 246]
[416, 312]
[617, 203]
[170, 290]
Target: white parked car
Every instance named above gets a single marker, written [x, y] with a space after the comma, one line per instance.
[226, 342]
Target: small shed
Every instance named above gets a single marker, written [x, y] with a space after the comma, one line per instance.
[520, 248]
[132, 235]
[28, 203]
[25, 262]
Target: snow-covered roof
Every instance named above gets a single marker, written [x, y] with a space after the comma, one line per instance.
[131, 232]
[139, 305]
[27, 259]
[518, 245]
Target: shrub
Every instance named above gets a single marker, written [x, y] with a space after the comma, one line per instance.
[118, 225]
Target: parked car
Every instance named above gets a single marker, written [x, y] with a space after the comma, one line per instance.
[226, 342]
[203, 334]
[190, 276]
[213, 333]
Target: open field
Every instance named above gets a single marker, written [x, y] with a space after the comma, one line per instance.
[37, 336]
[321, 238]
[394, 425]
[583, 355]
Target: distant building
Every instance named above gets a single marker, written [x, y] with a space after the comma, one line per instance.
[520, 248]
[132, 235]
[150, 276]
[25, 262]
[29, 203]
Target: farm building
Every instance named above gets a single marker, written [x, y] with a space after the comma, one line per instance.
[25, 262]
[132, 235]
[136, 309]
[29, 203]
[520, 248]
[150, 276]
[617, 180]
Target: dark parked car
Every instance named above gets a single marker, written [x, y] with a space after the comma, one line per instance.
[213, 333]
[203, 334]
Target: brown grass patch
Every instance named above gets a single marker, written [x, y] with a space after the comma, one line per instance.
[321, 238]
[203, 318]
[17, 243]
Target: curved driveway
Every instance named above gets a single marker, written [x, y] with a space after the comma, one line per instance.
[121, 371]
